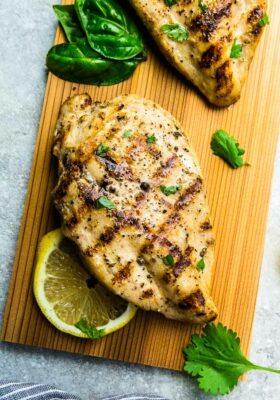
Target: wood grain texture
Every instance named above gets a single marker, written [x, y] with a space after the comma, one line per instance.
[238, 201]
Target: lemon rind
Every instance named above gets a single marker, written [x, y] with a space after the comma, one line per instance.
[50, 242]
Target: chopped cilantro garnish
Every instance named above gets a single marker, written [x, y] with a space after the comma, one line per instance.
[200, 265]
[226, 147]
[170, 2]
[263, 21]
[102, 150]
[168, 260]
[127, 134]
[90, 331]
[168, 190]
[202, 6]
[104, 202]
[236, 50]
[175, 32]
[151, 139]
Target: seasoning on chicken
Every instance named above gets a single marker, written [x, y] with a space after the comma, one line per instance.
[211, 42]
[131, 196]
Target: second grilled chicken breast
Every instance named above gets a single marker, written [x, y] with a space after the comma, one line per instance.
[130, 194]
[203, 47]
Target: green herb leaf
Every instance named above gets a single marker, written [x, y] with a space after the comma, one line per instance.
[127, 134]
[102, 150]
[168, 260]
[170, 3]
[69, 21]
[168, 190]
[175, 32]
[74, 64]
[90, 331]
[226, 147]
[104, 202]
[263, 21]
[200, 265]
[151, 139]
[216, 360]
[203, 6]
[77, 62]
[109, 29]
[236, 50]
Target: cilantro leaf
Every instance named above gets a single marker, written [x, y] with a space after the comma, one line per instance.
[127, 134]
[102, 150]
[175, 32]
[226, 147]
[202, 6]
[236, 50]
[216, 360]
[170, 2]
[168, 260]
[168, 190]
[201, 264]
[90, 331]
[104, 202]
[263, 21]
[151, 139]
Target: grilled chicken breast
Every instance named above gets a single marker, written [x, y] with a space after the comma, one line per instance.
[131, 196]
[214, 27]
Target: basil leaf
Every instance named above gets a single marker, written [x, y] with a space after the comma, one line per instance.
[176, 32]
[168, 190]
[110, 30]
[168, 260]
[104, 202]
[75, 63]
[70, 23]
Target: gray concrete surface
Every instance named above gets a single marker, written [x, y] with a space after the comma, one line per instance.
[26, 32]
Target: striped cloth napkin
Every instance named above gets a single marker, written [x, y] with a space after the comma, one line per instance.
[26, 391]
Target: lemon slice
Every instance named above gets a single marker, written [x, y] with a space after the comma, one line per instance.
[69, 297]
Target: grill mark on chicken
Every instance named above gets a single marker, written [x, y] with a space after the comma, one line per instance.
[183, 262]
[189, 193]
[211, 56]
[124, 247]
[195, 300]
[224, 79]
[208, 21]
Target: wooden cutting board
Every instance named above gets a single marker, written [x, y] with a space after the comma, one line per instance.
[238, 200]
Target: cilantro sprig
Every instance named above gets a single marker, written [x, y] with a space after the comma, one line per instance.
[151, 139]
[168, 260]
[102, 150]
[263, 21]
[236, 50]
[216, 360]
[176, 32]
[201, 264]
[170, 3]
[226, 147]
[202, 6]
[104, 202]
[91, 331]
[168, 190]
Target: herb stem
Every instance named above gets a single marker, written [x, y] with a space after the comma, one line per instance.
[257, 367]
